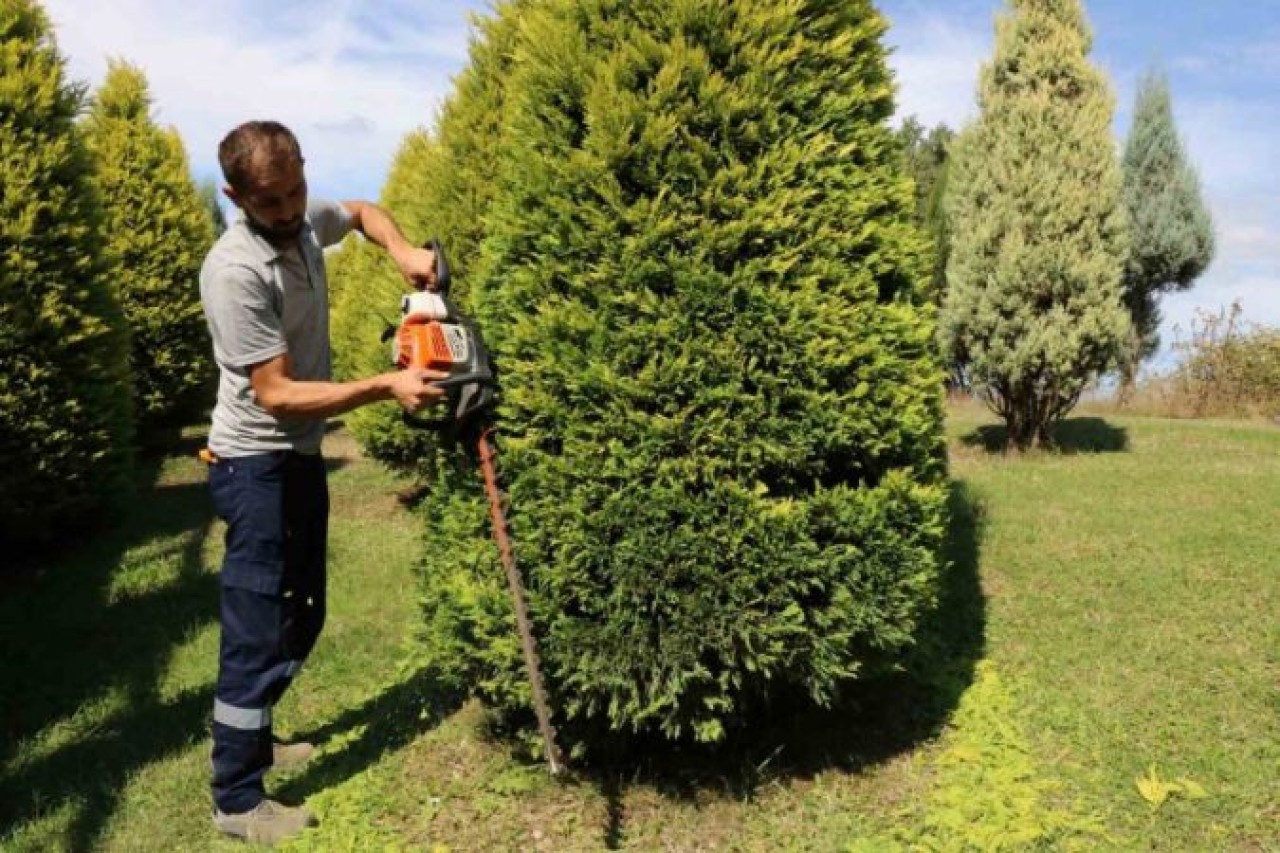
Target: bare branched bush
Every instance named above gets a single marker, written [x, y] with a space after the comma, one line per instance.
[1226, 368]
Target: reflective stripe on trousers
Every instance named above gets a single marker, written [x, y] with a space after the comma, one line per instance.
[245, 719]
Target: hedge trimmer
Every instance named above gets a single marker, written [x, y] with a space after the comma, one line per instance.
[433, 334]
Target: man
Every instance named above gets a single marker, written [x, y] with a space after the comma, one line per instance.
[265, 298]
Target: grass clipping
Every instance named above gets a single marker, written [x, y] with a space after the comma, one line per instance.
[986, 794]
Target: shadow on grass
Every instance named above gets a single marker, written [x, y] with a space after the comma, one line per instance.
[871, 723]
[384, 723]
[87, 637]
[1073, 435]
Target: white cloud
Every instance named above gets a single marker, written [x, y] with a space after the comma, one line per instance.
[936, 63]
[1249, 241]
[1232, 141]
[1220, 58]
[350, 82]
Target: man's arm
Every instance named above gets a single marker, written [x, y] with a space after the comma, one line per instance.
[417, 265]
[283, 397]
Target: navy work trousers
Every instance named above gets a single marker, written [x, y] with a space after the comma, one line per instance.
[276, 507]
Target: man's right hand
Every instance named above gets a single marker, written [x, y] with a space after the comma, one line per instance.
[413, 389]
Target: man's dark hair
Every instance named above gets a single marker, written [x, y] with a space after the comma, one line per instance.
[240, 147]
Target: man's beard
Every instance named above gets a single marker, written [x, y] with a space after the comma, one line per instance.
[277, 233]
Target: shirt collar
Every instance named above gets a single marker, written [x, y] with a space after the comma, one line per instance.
[265, 251]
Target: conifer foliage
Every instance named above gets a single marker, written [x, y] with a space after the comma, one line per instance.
[1172, 229]
[1038, 235]
[158, 230]
[65, 421]
[721, 419]
[926, 154]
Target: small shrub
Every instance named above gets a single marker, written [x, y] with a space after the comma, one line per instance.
[1228, 369]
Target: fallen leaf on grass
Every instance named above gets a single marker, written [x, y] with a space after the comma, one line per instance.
[1156, 790]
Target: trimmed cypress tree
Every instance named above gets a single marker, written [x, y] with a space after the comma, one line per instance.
[158, 231]
[1171, 227]
[1038, 235]
[441, 185]
[721, 427]
[65, 422]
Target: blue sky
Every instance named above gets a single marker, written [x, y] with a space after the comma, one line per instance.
[352, 77]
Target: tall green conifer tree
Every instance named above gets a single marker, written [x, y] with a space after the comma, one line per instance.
[927, 154]
[158, 231]
[1172, 229]
[65, 422]
[1038, 235]
[721, 419]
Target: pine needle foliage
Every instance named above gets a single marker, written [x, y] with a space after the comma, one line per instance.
[1038, 234]
[721, 428]
[65, 420]
[158, 230]
[1173, 240]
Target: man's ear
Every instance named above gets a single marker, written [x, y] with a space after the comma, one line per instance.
[230, 193]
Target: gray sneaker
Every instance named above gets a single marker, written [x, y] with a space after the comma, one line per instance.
[291, 756]
[266, 823]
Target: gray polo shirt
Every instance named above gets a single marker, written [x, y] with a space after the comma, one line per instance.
[260, 302]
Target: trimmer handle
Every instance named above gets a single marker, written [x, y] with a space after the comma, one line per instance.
[462, 379]
[443, 281]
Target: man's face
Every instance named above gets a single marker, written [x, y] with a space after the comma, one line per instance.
[274, 198]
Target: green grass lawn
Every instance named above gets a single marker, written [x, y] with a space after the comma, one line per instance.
[1134, 592]
[1112, 609]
